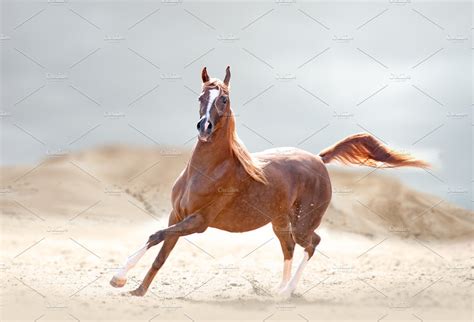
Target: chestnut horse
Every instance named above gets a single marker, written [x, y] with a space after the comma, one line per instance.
[287, 187]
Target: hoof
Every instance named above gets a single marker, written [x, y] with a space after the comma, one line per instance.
[285, 293]
[138, 292]
[118, 282]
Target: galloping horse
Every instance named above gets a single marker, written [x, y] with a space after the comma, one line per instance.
[287, 187]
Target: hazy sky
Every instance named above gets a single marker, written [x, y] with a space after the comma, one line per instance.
[80, 74]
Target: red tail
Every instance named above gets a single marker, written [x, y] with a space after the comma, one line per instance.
[364, 149]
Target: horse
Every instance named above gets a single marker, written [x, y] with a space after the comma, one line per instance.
[287, 187]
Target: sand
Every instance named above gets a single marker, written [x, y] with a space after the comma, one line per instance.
[387, 252]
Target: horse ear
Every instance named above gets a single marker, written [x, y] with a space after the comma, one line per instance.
[204, 75]
[227, 76]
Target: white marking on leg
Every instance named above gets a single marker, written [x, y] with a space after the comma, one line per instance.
[286, 273]
[132, 260]
[294, 281]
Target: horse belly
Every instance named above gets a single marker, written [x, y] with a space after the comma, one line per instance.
[238, 222]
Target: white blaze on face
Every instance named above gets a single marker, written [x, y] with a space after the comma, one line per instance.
[213, 93]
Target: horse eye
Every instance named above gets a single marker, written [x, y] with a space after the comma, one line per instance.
[224, 99]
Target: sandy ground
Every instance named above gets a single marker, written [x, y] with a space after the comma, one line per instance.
[387, 253]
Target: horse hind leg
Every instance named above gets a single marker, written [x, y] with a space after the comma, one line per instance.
[283, 232]
[309, 243]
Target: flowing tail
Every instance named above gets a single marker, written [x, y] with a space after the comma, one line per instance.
[364, 149]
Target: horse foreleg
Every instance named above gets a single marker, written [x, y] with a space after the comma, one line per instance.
[168, 246]
[190, 225]
[120, 278]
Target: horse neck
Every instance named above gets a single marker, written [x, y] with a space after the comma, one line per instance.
[207, 155]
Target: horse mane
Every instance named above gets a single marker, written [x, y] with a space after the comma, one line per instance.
[251, 165]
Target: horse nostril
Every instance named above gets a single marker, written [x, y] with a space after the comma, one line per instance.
[199, 125]
[210, 126]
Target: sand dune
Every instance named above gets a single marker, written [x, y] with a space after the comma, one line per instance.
[363, 202]
[67, 223]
